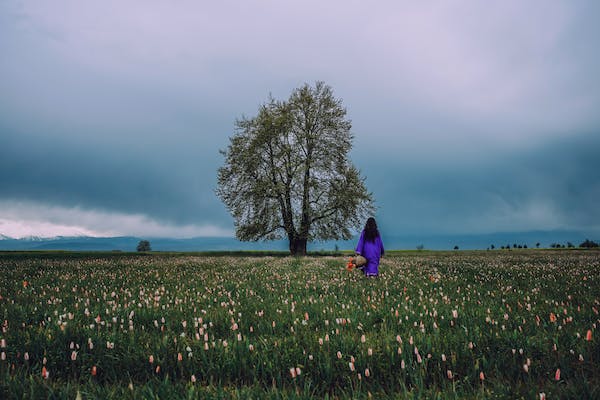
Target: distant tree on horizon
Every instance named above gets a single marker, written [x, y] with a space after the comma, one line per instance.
[144, 245]
[455, 247]
[492, 247]
[537, 245]
[588, 244]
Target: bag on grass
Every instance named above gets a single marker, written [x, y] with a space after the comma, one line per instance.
[356, 261]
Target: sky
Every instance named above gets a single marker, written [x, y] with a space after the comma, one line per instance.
[469, 117]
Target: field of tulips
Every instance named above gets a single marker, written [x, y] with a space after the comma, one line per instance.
[496, 324]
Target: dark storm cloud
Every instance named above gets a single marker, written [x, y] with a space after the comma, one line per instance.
[550, 186]
[469, 117]
[170, 180]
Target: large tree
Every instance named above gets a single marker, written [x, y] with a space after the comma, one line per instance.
[287, 172]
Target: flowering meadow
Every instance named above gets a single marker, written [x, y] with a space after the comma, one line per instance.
[495, 324]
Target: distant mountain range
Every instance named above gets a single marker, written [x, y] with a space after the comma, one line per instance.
[392, 242]
[129, 243]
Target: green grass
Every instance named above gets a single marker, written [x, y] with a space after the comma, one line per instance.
[240, 322]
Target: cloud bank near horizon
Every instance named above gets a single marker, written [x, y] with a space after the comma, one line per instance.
[20, 220]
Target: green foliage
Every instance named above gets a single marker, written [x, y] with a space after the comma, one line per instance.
[287, 172]
[241, 324]
[588, 244]
[144, 245]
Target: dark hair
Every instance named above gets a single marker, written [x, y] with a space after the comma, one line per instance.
[371, 232]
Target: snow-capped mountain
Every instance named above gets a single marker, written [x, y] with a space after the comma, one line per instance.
[33, 238]
[36, 238]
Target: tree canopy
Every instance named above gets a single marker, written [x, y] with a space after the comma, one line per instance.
[287, 172]
[144, 245]
[588, 244]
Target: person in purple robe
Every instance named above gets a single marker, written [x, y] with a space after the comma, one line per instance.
[370, 246]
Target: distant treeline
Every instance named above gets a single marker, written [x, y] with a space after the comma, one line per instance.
[586, 244]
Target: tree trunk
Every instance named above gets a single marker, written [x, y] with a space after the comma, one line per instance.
[298, 246]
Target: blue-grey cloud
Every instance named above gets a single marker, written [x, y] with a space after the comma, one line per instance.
[468, 117]
[553, 186]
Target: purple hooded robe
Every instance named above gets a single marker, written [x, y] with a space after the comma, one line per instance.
[372, 251]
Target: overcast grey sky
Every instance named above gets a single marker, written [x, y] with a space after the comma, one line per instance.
[469, 116]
